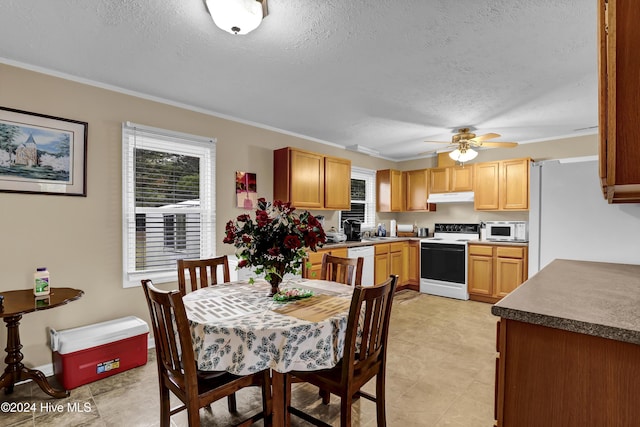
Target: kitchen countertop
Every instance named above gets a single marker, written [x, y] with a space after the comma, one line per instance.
[368, 242]
[593, 298]
[495, 242]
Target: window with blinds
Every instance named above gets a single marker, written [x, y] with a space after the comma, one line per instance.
[168, 203]
[363, 198]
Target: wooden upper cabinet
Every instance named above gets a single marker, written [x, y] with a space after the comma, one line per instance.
[417, 186]
[514, 184]
[439, 180]
[301, 177]
[462, 178]
[502, 185]
[619, 115]
[337, 183]
[451, 179]
[486, 192]
[390, 194]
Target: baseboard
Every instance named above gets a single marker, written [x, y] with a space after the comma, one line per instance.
[47, 369]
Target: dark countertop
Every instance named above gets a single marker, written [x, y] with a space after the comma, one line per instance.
[368, 242]
[593, 298]
[494, 242]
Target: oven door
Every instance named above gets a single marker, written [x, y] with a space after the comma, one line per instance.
[442, 261]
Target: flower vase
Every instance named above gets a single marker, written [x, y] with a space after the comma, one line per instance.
[276, 278]
[275, 284]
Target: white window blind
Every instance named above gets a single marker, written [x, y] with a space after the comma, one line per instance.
[363, 197]
[168, 201]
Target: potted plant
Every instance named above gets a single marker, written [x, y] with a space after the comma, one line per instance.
[276, 241]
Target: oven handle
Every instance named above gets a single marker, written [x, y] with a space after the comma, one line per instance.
[442, 249]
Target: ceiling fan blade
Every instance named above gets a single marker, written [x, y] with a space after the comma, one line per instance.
[498, 144]
[485, 137]
[439, 142]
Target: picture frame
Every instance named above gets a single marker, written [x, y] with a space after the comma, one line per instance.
[41, 154]
[246, 190]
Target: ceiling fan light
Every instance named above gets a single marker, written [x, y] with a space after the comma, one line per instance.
[463, 157]
[237, 16]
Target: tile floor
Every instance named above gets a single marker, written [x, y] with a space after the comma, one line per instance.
[440, 372]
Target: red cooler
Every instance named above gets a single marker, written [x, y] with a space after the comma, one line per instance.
[89, 353]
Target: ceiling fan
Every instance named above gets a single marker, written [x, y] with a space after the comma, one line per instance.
[465, 141]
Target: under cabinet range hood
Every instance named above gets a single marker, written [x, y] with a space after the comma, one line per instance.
[461, 197]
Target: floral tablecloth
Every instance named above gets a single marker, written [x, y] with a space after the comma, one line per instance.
[235, 329]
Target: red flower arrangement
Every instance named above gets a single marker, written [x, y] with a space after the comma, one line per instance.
[276, 242]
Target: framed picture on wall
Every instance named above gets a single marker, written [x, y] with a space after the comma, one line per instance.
[246, 190]
[42, 154]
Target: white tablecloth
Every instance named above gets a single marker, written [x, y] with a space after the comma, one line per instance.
[235, 329]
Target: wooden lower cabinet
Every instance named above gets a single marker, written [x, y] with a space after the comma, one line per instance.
[396, 261]
[315, 258]
[552, 377]
[411, 265]
[381, 263]
[496, 270]
[401, 258]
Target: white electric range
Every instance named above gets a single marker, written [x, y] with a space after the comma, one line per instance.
[443, 260]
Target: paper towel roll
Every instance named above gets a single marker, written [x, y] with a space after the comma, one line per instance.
[405, 228]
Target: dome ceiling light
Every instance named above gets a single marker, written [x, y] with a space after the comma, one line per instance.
[237, 16]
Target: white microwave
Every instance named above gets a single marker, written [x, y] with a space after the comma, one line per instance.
[507, 231]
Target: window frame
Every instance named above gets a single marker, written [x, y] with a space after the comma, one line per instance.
[150, 138]
[369, 176]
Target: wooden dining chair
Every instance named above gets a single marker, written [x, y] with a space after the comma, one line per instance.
[177, 370]
[343, 270]
[370, 313]
[202, 272]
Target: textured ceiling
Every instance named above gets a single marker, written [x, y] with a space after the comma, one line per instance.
[384, 74]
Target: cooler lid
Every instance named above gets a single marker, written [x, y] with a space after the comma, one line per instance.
[84, 337]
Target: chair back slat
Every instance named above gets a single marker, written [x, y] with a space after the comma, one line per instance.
[174, 348]
[202, 273]
[370, 312]
[342, 270]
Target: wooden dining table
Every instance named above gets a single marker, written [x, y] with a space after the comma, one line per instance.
[236, 327]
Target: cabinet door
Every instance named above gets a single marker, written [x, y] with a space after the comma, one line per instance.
[416, 183]
[397, 191]
[480, 275]
[307, 179]
[509, 275]
[337, 187]
[619, 114]
[603, 94]
[514, 184]
[461, 178]
[486, 180]
[395, 265]
[390, 195]
[413, 276]
[381, 272]
[439, 180]
[341, 252]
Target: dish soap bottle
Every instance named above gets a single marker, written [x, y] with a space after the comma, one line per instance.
[41, 282]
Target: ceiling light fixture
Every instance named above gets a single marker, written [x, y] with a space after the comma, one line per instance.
[463, 156]
[237, 16]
